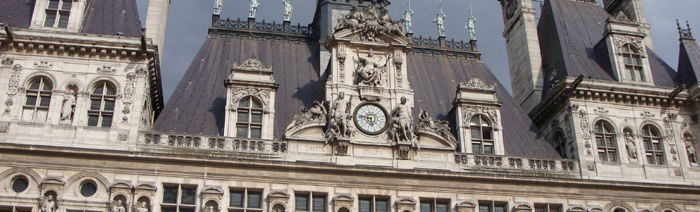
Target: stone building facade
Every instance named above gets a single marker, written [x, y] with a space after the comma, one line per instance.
[346, 114]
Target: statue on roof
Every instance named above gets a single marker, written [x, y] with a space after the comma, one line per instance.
[369, 22]
[407, 16]
[254, 4]
[440, 20]
[217, 6]
[471, 21]
[287, 9]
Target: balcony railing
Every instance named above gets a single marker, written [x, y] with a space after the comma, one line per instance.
[213, 143]
[510, 162]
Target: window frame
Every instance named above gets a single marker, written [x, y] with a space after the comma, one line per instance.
[373, 202]
[40, 93]
[310, 196]
[604, 130]
[178, 205]
[633, 72]
[559, 143]
[648, 141]
[101, 113]
[548, 207]
[434, 202]
[245, 200]
[480, 140]
[16, 208]
[58, 12]
[249, 111]
[492, 205]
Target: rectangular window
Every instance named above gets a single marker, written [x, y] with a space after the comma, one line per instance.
[365, 205]
[245, 199]
[547, 208]
[371, 203]
[21, 209]
[434, 205]
[319, 203]
[237, 199]
[302, 203]
[58, 13]
[254, 199]
[179, 198]
[490, 206]
[310, 201]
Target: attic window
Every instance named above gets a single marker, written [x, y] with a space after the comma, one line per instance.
[633, 63]
[57, 13]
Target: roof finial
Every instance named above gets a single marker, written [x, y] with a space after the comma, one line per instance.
[218, 4]
[684, 33]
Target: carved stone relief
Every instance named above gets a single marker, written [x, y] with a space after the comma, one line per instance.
[342, 55]
[252, 64]
[601, 110]
[339, 120]
[491, 112]
[403, 127]
[43, 65]
[8, 61]
[647, 114]
[476, 83]
[369, 70]
[106, 70]
[317, 113]
[441, 127]
[585, 131]
[240, 92]
[398, 62]
[370, 23]
[12, 88]
[129, 88]
[620, 41]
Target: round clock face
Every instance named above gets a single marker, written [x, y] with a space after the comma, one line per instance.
[371, 119]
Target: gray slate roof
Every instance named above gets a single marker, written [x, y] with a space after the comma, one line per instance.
[197, 105]
[105, 17]
[435, 79]
[569, 32]
[689, 62]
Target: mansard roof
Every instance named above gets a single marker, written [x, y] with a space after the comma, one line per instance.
[689, 62]
[569, 32]
[105, 17]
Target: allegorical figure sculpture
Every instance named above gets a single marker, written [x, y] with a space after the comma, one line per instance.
[440, 127]
[440, 20]
[254, 4]
[316, 113]
[218, 4]
[142, 207]
[631, 147]
[68, 105]
[288, 8]
[407, 16]
[369, 72]
[691, 149]
[403, 124]
[339, 119]
[49, 205]
[471, 21]
[118, 207]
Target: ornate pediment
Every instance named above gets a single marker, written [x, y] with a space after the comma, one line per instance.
[252, 64]
[369, 25]
[476, 83]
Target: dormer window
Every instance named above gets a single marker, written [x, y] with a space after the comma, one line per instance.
[250, 118]
[633, 63]
[482, 135]
[57, 13]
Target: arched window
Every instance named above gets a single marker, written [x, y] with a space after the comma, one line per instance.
[559, 143]
[102, 102]
[633, 63]
[605, 139]
[653, 146]
[250, 113]
[36, 107]
[482, 135]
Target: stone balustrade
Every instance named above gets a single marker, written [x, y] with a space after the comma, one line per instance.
[157, 139]
[510, 162]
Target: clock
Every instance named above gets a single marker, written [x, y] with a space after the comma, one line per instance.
[371, 118]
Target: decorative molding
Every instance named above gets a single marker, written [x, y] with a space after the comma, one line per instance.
[13, 84]
[8, 61]
[252, 64]
[129, 88]
[616, 203]
[621, 16]
[591, 167]
[647, 114]
[469, 111]
[123, 136]
[90, 174]
[342, 55]
[106, 70]
[476, 83]
[43, 65]
[621, 40]
[663, 206]
[669, 135]
[601, 110]
[585, 125]
[239, 92]
[398, 62]
[142, 71]
[370, 23]
[24, 170]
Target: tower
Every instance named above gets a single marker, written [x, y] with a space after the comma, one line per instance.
[523, 48]
[633, 10]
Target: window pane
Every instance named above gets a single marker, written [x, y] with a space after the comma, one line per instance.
[98, 89]
[476, 148]
[611, 156]
[475, 120]
[302, 203]
[256, 117]
[442, 207]
[254, 200]
[242, 132]
[66, 5]
[656, 146]
[35, 85]
[475, 132]
[109, 105]
[484, 122]
[365, 205]
[50, 18]
[553, 209]
[319, 204]
[601, 155]
[106, 120]
[245, 102]
[110, 90]
[488, 149]
[47, 86]
[243, 116]
[93, 119]
[650, 159]
[256, 104]
[53, 4]
[647, 144]
[28, 114]
[45, 100]
[236, 199]
[186, 209]
[382, 205]
[540, 209]
[170, 194]
[168, 210]
[188, 195]
[484, 208]
[41, 115]
[31, 100]
[609, 142]
[487, 133]
[426, 207]
[255, 132]
[95, 103]
[63, 20]
[659, 159]
[599, 141]
[499, 208]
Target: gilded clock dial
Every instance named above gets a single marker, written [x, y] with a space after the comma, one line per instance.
[371, 119]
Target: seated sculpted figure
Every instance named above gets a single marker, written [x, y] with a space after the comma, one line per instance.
[369, 72]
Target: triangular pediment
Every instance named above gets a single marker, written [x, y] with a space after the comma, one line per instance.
[359, 36]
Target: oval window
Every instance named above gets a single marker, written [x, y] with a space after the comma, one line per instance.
[20, 184]
[88, 189]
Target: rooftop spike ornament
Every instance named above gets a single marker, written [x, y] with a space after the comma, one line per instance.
[440, 20]
[218, 5]
[471, 22]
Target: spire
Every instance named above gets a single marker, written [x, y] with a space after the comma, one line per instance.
[684, 33]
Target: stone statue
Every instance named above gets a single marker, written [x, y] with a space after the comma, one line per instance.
[369, 72]
[287, 9]
[441, 127]
[425, 120]
[369, 23]
[254, 4]
[68, 105]
[211, 209]
[440, 20]
[118, 207]
[691, 149]
[339, 119]
[470, 25]
[389, 25]
[317, 111]
[407, 16]
[49, 205]
[631, 147]
[142, 207]
[403, 124]
[217, 6]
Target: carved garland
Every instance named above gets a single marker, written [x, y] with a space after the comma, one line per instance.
[12, 87]
[469, 111]
[585, 131]
[342, 55]
[129, 88]
[670, 138]
[240, 92]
